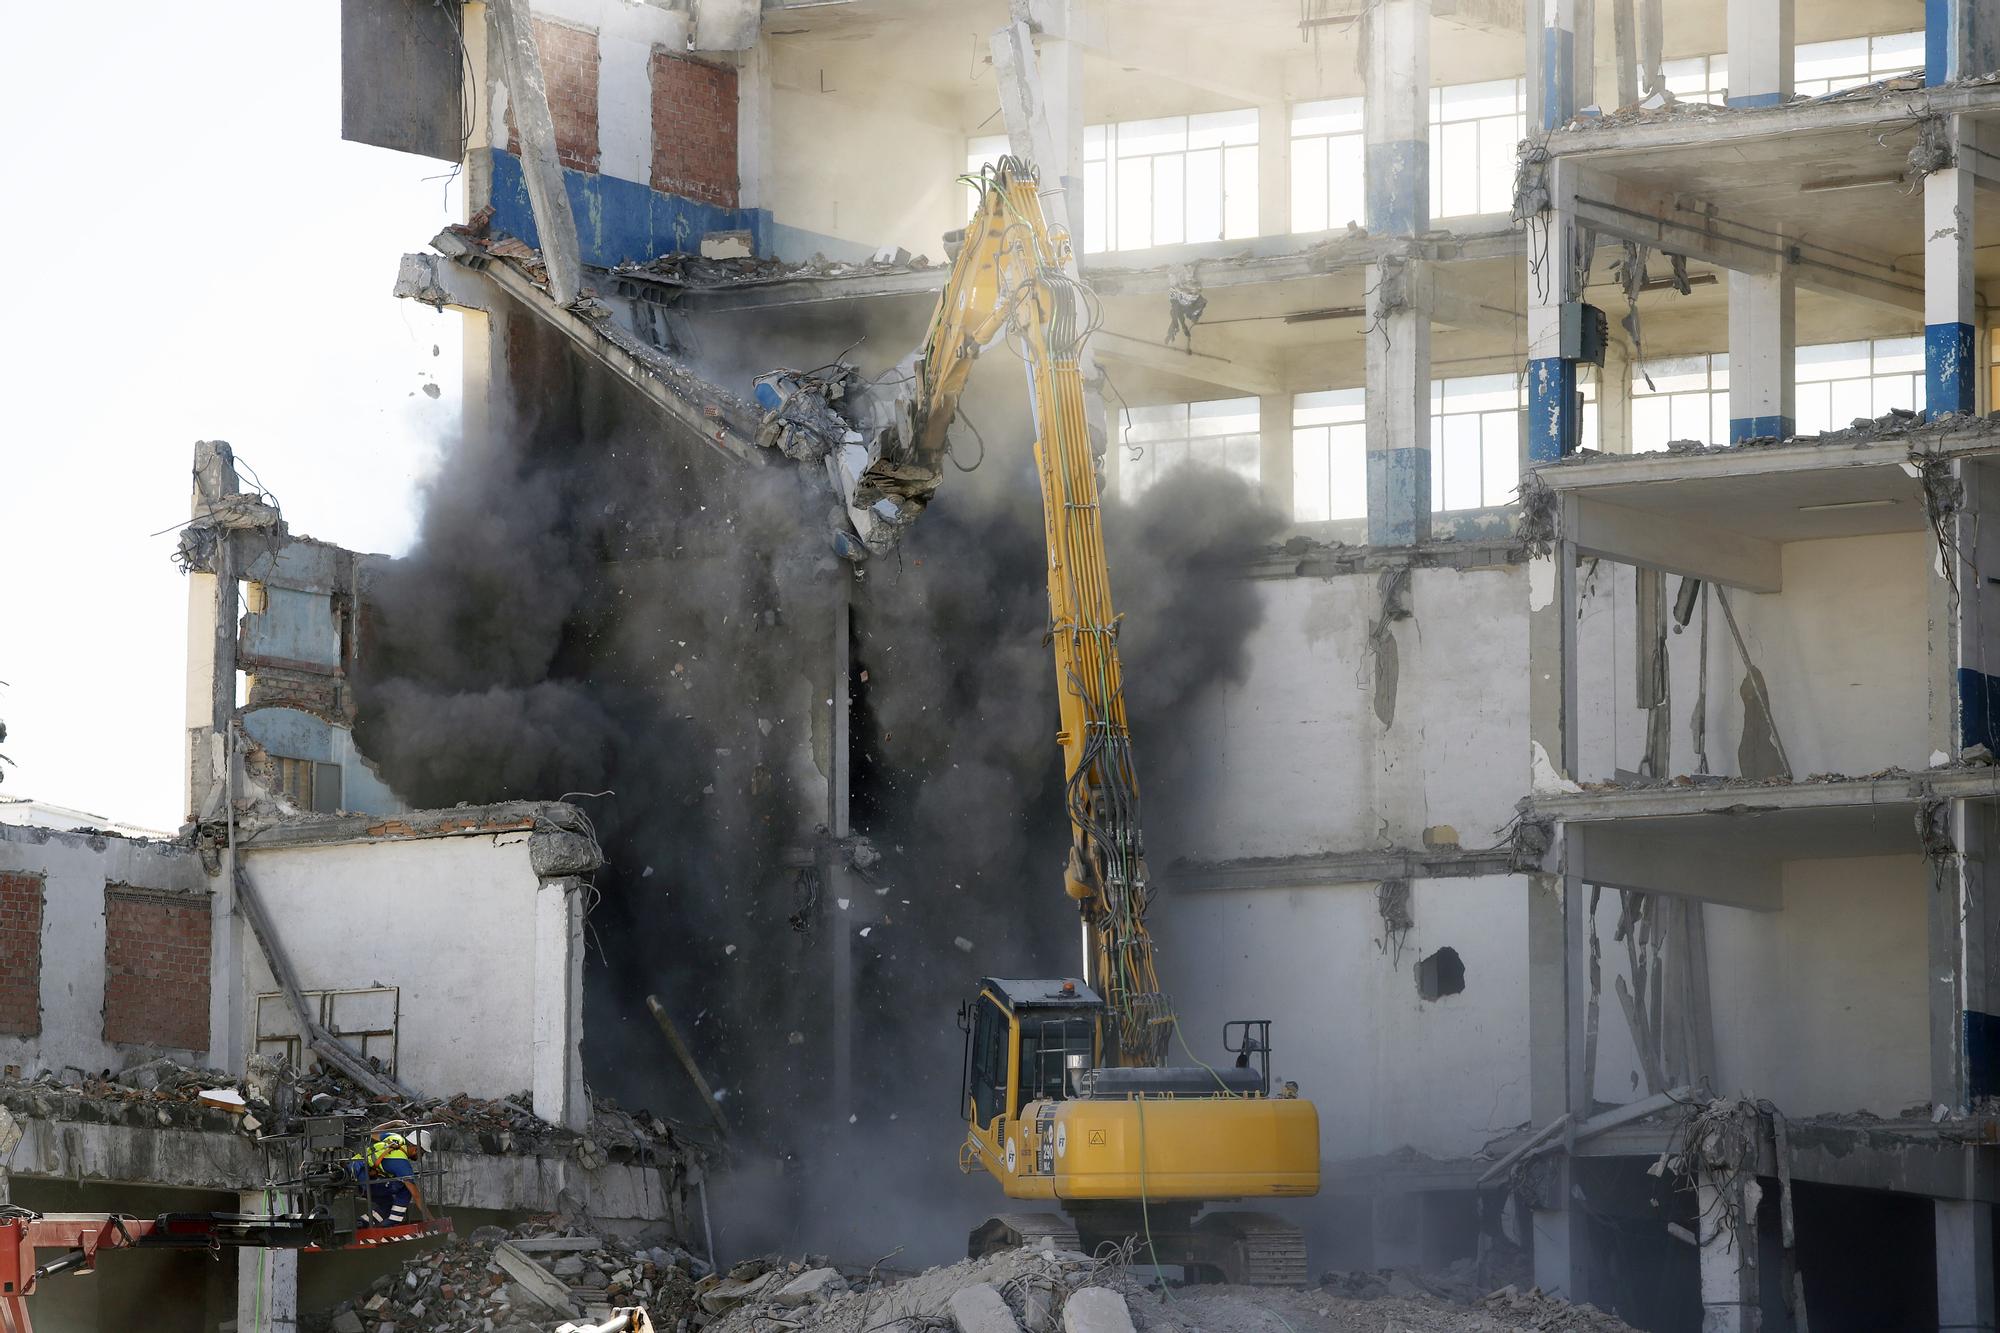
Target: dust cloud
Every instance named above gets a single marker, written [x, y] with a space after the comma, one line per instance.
[591, 609]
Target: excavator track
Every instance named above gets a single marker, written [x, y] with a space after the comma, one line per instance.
[1012, 1231]
[1254, 1249]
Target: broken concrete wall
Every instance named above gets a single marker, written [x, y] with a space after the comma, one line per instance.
[647, 130]
[443, 952]
[1834, 650]
[1296, 760]
[829, 98]
[1386, 1067]
[87, 974]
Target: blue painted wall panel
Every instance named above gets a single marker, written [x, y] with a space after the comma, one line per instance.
[1982, 1054]
[619, 220]
[1978, 708]
[294, 627]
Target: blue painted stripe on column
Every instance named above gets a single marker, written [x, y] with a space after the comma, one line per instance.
[1978, 709]
[1950, 370]
[1982, 1054]
[1938, 16]
[1399, 496]
[1558, 77]
[1755, 99]
[1553, 418]
[1399, 187]
[1760, 428]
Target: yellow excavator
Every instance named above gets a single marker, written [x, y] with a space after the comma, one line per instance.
[1069, 1094]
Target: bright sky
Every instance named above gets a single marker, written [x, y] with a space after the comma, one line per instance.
[192, 253]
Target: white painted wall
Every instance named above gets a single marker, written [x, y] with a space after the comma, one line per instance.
[1840, 647]
[1292, 761]
[1820, 1007]
[1385, 1067]
[451, 922]
[866, 161]
[76, 867]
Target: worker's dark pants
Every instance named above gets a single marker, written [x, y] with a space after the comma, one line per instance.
[391, 1200]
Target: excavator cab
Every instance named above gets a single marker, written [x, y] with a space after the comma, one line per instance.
[1127, 1150]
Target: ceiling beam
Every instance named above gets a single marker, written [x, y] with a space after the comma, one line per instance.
[1221, 371]
[1683, 225]
[1678, 545]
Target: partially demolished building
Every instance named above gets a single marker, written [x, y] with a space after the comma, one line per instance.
[1613, 756]
[1602, 807]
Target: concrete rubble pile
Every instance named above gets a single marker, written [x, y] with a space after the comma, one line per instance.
[166, 1094]
[532, 1278]
[1052, 1291]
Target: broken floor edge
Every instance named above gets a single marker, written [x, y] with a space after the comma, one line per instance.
[1746, 795]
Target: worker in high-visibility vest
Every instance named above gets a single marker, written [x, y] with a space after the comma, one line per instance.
[389, 1166]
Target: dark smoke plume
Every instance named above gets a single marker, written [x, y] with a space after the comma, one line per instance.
[590, 608]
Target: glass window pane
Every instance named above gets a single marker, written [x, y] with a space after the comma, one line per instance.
[1222, 416]
[1341, 115]
[1217, 128]
[1096, 208]
[1135, 203]
[1673, 375]
[1310, 465]
[1899, 354]
[1497, 142]
[1481, 393]
[1691, 417]
[1896, 51]
[1894, 391]
[1204, 195]
[1831, 60]
[1829, 361]
[1329, 405]
[1652, 424]
[1461, 170]
[1852, 399]
[1468, 101]
[1460, 456]
[1168, 198]
[1500, 465]
[1094, 137]
[1139, 137]
[1346, 180]
[1239, 194]
[1811, 409]
[1309, 185]
[1436, 170]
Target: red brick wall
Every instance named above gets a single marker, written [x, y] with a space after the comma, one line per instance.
[20, 954]
[155, 968]
[694, 129]
[569, 68]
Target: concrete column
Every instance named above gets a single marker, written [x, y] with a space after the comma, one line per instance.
[1964, 1012]
[1397, 59]
[476, 24]
[211, 641]
[1614, 400]
[1274, 169]
[1274, 451]
[1965, 1295]
[1762, 350]
[528, 96]
[834, 878]
[267, 1281]
[1961, 40]
[1951, 362]
[1727, 1212]
[1558, 76]
[1556, 905]
[1760, 58]
[1560, 67]
[558, 1092]
[753, 126]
